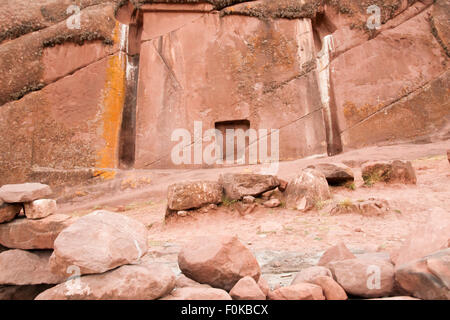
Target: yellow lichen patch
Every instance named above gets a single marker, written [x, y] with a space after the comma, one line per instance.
[113, 101]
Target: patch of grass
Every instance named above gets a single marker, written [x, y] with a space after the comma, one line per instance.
[228, 202]
[320, 204]
[346, 203]
[370, 180]
[351, 186]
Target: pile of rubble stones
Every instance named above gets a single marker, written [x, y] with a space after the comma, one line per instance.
[308, 189]
[104, 255]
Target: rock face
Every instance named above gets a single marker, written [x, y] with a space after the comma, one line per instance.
[19, 267]
[390, 172]
[218, 261]
[426, 278]
[39, 209]
[301, 291]
[369, 278]
[237, 186]
[306, 190]
[9, 211]
[47, 119]
[336, 253]
[70, 128]
[336, 173]
[33, 234]
[247, 289]
[191, 195]
[99, 242]
[195, 293]
[27, 192]
[130, 282]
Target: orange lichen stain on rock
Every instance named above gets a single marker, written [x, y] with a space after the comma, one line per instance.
[104, 174]
[113, 101]
[352, 112]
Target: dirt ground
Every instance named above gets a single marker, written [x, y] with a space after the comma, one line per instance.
[284, 240]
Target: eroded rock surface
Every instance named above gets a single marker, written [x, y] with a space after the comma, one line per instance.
[30, 234]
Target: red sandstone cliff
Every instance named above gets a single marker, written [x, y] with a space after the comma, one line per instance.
[74, 102]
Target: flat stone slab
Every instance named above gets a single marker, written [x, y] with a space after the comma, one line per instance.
[26, 192]
[30, 234]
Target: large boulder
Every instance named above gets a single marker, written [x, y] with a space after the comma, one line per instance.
[389, 171]
[337, 174]
[33, 234]
[306, 190]
[301, 291]
[426, 278]
[39, 209]
[144, 281]
[19, 267]
[9, 211]
[237, 186]
[218, 261]
[98, 242]
[27, 192]
[192, 195]
[247, 289]
[336, 253]
[364, 277]
[196, 293]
